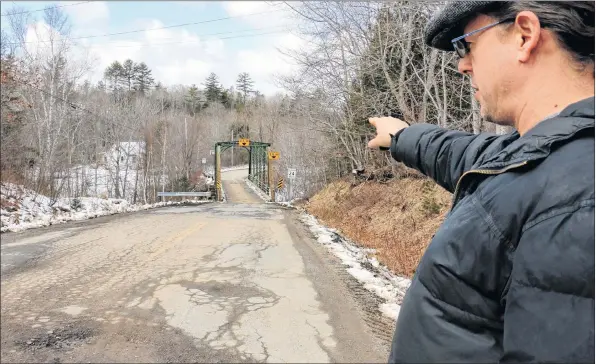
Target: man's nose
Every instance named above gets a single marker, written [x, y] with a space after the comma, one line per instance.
[464, 66]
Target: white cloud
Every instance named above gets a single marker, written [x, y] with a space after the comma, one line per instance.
[39, 37]
[94, 14]
[236, 8]
[190, 71]
[180, 55]
[176, 56]
[275, 13]
[214, 47]
[265, 62]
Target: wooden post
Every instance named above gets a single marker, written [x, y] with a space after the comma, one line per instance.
[270, 179]
[218, 172]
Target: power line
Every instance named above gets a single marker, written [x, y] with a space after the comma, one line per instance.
[50, 7]
[160, 28]
[189, 42]
[192, 42]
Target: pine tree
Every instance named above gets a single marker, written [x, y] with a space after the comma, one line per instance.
[212, 88]
[142, 78]
[226, 99]
[244, 84]
[192, 100]
[128, 74]
[114, 76]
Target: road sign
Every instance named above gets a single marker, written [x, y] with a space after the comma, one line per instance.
[244, 142]
[211, 152]
[274, 155]
[204, 160]
[280, 184]
[291, 173]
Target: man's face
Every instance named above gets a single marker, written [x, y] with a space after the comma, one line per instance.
[491, 67]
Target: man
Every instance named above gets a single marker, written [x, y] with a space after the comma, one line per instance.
[509, 276]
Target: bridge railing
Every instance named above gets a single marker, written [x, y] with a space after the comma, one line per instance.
[162, 195]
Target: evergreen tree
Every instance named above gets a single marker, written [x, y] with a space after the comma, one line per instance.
[114, 76]
[226, 99]
[192, 100]
[128, 74]
[212, 88]
[142, 78]
[244, 84]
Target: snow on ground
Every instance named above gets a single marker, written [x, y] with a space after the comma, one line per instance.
[375, 277]
[234, 168]
[257, 190]
[265, 197]
[23, 209]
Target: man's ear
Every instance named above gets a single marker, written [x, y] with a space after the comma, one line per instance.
[527, 34]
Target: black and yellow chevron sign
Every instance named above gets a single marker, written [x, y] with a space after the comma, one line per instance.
[280, 184]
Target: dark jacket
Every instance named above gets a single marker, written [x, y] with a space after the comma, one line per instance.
[509, 276]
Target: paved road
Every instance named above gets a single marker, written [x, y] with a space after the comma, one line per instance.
[241, 281]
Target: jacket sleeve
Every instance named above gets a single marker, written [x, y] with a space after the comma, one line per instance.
[442, 154]
[549, 306]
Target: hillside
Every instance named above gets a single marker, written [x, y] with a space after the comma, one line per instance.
[397, 218]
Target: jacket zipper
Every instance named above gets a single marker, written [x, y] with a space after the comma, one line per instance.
[484, 171]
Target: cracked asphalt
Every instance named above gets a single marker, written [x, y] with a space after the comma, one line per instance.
[241, 281]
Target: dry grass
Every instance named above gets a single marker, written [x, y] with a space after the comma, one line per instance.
[398, 218]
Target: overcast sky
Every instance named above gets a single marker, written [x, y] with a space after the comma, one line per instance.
[185, 54]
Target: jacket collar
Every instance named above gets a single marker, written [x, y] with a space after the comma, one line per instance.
[538, 141]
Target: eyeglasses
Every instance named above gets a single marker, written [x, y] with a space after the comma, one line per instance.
[462, 47]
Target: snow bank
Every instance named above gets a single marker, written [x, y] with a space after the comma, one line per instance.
[23, 209]
[375, 277]
[234, 168]
[257, 190]
[265, 197]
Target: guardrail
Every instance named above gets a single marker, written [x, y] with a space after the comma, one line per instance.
[183, 194]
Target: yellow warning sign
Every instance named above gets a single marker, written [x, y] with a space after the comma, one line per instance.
[244, 142]
[280, 184]
[274, 155]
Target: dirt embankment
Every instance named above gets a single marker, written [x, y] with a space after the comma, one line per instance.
[397, 218]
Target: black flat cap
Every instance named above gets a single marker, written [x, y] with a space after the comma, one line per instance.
[450, 21]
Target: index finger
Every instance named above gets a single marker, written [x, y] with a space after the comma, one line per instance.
[372, 121]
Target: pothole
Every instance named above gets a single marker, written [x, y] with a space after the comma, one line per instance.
[59, 339]
[224, 289]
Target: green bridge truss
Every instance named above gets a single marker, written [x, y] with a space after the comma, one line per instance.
[259, 166]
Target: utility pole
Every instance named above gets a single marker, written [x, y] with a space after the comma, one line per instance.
[232, 148]
[186, 146]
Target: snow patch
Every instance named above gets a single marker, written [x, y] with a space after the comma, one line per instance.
[266, 197]
[257, 190]
[234, 168]
[22, 209]
[375, 277]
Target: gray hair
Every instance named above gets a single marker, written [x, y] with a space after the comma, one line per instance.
[571, 21]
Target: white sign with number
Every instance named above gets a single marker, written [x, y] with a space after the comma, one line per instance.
[291, 173]
[204, 160]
